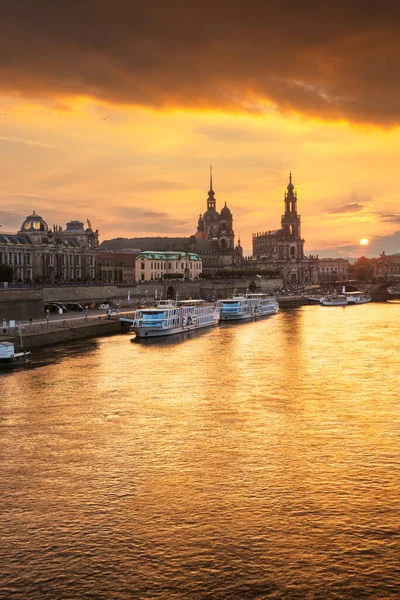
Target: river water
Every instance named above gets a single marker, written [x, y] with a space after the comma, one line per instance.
[258, 460]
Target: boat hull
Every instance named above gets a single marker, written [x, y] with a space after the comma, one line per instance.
[249, 315]
[147, 332]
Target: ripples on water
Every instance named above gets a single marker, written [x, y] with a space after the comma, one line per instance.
[258, 460]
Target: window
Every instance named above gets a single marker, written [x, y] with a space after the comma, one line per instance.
[151, 265]
[169, 266]
[142, 276]
[182, 266]
[142, 266]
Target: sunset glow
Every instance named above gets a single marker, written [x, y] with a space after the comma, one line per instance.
[364, 242]
[128, 144]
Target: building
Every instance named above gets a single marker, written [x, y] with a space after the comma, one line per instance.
[282, 250]
[214, 240]
[387, 266]
[117, 267]
[151, 266]
[39, 254]
[331, 270]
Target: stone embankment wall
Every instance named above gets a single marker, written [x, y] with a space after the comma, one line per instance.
[23, 304]
[58, 332]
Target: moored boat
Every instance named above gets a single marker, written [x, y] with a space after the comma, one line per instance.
[335, 300]
[172, 317]
[10, 358]
[247, 306]
[357, 298]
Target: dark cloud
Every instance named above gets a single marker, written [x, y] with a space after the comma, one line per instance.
[352, 207]
[388, 217]
[331, 60]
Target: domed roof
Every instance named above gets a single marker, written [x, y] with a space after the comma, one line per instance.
[33, 224]
[211, 214]
[226, 213]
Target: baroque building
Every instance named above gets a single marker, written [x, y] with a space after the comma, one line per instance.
[37, 253]
[213, 242]
[282, 250]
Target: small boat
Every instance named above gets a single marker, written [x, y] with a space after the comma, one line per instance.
[357, 298]
[335, 300]
[248, 306]
[171, 317]
[10, 358]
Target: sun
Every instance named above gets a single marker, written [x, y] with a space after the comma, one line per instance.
[364, 242]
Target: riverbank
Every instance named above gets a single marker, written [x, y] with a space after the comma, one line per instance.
[60, 331]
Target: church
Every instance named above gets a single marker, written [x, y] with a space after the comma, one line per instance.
[282, 250]
[214, 239]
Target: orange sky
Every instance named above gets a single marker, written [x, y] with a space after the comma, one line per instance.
[124, 132]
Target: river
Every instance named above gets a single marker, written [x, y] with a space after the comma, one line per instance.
[257, 460]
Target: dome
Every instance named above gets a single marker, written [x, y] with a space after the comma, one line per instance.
[34, 224]
[211, 215]
[290, 187]
[226, 213]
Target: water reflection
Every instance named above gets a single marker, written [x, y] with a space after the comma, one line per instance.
[258, 460]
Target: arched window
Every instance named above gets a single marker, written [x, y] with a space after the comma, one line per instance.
[292, 251]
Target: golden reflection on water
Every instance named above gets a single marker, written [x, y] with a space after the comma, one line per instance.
[254, 459]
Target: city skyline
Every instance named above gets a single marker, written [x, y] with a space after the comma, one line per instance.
[119, 124]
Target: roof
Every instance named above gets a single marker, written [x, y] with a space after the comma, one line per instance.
[10, 238]
[168, 255]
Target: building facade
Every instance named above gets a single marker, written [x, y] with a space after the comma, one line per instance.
[39, 254]
[387, 266]
[117, 267]
[214, 239]
[331, 270]
[282, 250]
[151, 266]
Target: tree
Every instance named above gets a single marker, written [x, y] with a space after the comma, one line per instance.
[6, 273]
[363, 268]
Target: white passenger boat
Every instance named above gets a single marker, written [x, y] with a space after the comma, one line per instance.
[171, 317]
[335, 300]
[357, 298]
[10, 358]
[248, 306]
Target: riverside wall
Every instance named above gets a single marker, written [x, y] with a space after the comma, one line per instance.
[24, 304]
[61, 332]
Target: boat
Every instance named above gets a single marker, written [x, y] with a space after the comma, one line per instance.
[335, 300]
[172, 317]
[10, 358]
[248, 306]
[357, 298]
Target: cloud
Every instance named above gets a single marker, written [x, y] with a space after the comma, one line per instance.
[388, 217]
[17, 140]
[333, 61]
[352, 207]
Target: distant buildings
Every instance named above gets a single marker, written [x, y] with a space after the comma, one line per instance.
[282, 250]
[128, 267]
[333, 269]
[37, 253]
[387, 266]
[213, 242]
[155, 265]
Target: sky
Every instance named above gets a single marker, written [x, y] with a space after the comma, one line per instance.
[114, 111]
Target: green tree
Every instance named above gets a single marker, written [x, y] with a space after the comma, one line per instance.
[6, 273]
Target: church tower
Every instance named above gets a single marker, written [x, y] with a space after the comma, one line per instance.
[291, 222]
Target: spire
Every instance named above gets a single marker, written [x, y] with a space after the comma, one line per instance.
[211, 193]
[290, 187]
